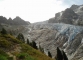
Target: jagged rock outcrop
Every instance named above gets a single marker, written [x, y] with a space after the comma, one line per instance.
[19, 21]
[3, 19]
[72, 15]
[15, 21]
[68, 16]
[74, 7]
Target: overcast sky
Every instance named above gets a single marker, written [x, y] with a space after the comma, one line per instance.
[34, 10]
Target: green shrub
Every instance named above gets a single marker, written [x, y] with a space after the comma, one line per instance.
[10, 58]
[13, 39]
[3, 53]
[24, 56]
[3, 57]
[4, 43]
[20, 37]
[3, 31]
[21, 56]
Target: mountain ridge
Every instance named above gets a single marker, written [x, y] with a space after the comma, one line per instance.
[72, 15]
[15, 21]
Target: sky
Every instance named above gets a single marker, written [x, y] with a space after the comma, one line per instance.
[34, 10]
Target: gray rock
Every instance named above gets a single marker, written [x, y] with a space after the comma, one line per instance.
[51, 35]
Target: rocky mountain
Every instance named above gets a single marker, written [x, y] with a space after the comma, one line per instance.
[65, 31]
[20, 21]
[72, 15]
[13, 26]
[15, 21]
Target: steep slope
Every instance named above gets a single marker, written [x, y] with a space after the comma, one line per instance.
[13, 49]
[65, 30]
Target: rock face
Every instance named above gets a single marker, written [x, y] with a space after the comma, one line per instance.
[72, 15]
[63, 31]
[68, 16]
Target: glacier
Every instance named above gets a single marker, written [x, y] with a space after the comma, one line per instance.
[64, 29]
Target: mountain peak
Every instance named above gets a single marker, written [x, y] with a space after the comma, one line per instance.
[10, 19]
[73, 7]
[17, 18]
[68, 13]
[69, 16]
[16, 21]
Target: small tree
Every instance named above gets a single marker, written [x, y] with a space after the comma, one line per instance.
[41, 49]
[59, 54]
[31, 44]
[49, 54]
[3, 31]
[28, 41]
[20, 37]
[34, 45]
[64, 56]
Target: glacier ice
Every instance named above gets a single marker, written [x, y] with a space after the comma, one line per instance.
[65, 29]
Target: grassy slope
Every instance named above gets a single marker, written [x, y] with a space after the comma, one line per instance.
[18, 49]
